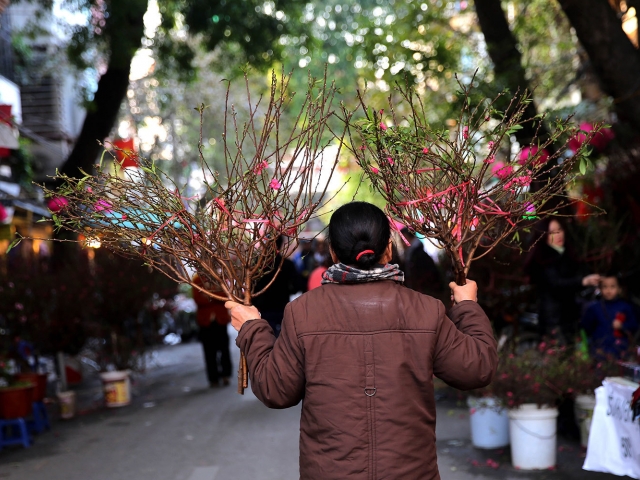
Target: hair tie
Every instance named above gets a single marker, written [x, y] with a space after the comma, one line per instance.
[364, 252]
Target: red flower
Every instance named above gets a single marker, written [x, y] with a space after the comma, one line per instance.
[56, 204]
[261, 166]
[501, 170]
[532, 151]
[275, 184]
[599, 141]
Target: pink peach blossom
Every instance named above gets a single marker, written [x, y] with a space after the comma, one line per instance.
[56, 204]
[275, 184]
[261, 166]
[501, 170]
[532, 151]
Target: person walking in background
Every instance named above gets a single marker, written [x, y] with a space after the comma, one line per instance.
[275, 298]
[304, 261]
[315, 279]
[362, 351]
[320, 252]
[558, 277]
[610, 322]
[420, 271]
[212, 318]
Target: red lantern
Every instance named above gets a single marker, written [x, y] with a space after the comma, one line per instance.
[5, 117]
[125, 153]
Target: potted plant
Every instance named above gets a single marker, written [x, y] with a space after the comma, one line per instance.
[16, 396]
[531, 385]
[488, 419]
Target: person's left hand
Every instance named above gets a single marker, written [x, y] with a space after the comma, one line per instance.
[617, 325]
[241, 313]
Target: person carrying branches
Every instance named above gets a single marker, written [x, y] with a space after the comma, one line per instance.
[362, 351]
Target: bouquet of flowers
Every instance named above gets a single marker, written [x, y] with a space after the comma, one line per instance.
[466, 188]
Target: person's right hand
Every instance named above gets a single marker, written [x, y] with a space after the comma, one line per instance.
[592, 280]
[464, 292]
[241, 314]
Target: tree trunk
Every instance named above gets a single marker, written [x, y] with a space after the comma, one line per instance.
[615, 60]
[101, 115]
[123, 33]
[507, 60]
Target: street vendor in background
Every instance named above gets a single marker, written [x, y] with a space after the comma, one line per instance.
[213, 318]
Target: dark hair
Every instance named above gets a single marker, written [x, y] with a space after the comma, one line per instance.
[541, 254]
[544, 225]
[356, 227]
[612, 274]
[408, 234]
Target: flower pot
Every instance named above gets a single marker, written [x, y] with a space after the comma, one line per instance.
[489, 423]
[533, 437]
[39, 380]
[16, 402]
[583, 410]
[117, 388]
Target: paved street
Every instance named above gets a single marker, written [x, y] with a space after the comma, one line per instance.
[178, 429]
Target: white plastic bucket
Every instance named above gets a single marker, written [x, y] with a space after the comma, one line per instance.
[67, 402]
[489, 423]
[117, 388]
[583, 410]
[533, 437]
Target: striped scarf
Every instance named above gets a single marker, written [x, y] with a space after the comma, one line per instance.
[341, 273]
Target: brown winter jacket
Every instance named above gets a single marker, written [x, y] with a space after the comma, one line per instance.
[362, 358]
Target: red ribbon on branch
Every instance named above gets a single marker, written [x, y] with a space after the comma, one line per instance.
[434, 195]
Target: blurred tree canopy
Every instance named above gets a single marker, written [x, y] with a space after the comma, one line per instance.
[115, 30]
[576, 56]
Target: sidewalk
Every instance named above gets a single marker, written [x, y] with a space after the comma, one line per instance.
[176, 428]
[459, 460]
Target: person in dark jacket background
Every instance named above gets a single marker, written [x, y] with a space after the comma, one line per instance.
[559, 277]
[362, 351]
[272, 302]
[420, 271]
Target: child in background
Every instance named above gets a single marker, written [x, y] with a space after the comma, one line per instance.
[610, 322]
